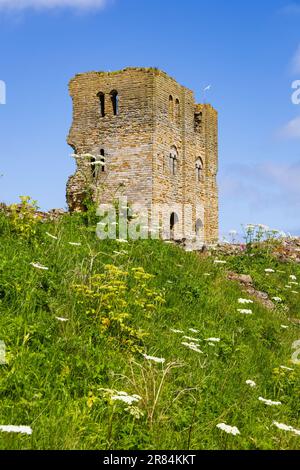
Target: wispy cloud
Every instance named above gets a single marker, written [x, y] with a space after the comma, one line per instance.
[48, 4]
[291, 130]
[263, 188]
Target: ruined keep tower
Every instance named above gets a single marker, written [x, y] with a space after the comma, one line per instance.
[153, 144]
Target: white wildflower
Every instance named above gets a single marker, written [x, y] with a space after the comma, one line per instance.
[269, 270]
[17, 429]
[193, 340]
[62, 319]
[245, 301]
[159, 360]
[285, 427]
[176, 331]
[193, 330]
[212, 344]
[213, 340]
[286, 368]
[294, 283]
[251, 383]
[125, 398]
[218, 261]
[269, 402]
[294, 278]
[51, 236]
[288, 287]
[284, 327]
[207, 274]
[39, 266]
[277, 299]
[295, 292]
[192, 346]
[121, 240]
[228, 429]
[245, 311]
[74, 243]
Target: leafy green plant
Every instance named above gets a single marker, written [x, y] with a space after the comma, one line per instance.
[23, 217]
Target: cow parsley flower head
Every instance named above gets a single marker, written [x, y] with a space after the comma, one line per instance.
[251, 383]
[277, 299]
[62, 319]
[219, 261]
[192, 346]
[193, 330]
[125, 398]
[269, 270]
[285, 427]
[213, 340]
[159, 360]
[293, 278]
[176, 331]
[245, 311]
[245, 301]
[16, 429]
[193, 340]
[269, 402]
[228, 429]
[284, 327]
[286, 368]
[74, 243]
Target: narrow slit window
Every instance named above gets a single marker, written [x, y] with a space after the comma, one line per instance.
[115, 102]
[93, 167]
[102, 160]
[101, 98]
[171, 108]
[177, 111]
[199, 169]
[173, 160]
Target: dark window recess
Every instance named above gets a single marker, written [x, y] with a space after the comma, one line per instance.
[102, 160]
[101, 98]
[115, 102]
[93, 167]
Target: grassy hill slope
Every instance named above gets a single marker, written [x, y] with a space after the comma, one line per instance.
[123, 300]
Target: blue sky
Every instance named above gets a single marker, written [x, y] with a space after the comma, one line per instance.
[248, 51]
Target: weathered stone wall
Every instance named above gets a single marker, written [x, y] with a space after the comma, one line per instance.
[138, 142]
[126, 138]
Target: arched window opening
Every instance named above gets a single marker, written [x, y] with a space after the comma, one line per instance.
[115, 102]
[101, 98]
[173, 160]
[177, 111]
[171, 108]
[102, 160]
[199, 169]
[199, 227]
[173, 223]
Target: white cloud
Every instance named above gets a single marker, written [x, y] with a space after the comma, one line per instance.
[292, 129]
[47, 4]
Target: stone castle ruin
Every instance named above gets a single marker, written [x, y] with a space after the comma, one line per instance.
[139, 134]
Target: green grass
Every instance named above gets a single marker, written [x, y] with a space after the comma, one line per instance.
[56, 370]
